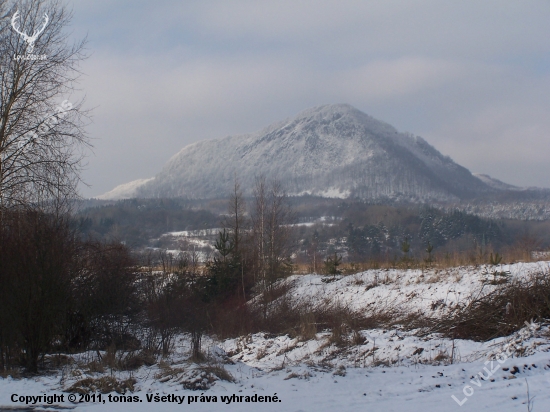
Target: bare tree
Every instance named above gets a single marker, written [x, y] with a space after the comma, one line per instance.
[236, 220]
[258, 230]
[270, 233]
[278, 231]
[313, 250]
[42, 138]
[237, 223]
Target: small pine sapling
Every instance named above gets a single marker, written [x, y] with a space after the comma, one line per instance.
[495, 260]
[429, 249]
[405, 248]
[332, 263]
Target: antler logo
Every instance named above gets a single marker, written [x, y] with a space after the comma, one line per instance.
[29, 39]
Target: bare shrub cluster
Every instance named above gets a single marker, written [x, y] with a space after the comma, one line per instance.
[500, 312]
[305, 318]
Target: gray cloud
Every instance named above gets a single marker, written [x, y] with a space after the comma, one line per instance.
[471, 77]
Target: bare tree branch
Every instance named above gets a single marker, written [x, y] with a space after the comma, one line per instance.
[42, 136]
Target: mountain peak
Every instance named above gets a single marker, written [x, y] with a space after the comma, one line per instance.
[328, 109]
[334, 112]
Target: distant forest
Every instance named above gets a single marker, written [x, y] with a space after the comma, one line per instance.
[137, 222]
[356, 230]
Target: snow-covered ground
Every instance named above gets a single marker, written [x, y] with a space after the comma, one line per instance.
[383, 370]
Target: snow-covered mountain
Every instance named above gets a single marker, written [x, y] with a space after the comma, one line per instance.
[332, 150]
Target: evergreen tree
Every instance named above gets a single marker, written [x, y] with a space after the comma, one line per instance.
[332, 263]
[223, 271]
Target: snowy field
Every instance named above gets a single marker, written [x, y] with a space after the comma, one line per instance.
[387, 370]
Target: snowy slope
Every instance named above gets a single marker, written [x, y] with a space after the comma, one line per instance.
[432, 291]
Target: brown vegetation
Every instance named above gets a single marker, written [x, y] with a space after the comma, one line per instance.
[501, 312]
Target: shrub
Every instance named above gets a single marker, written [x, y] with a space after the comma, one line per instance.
[500, 312]
[332, 263]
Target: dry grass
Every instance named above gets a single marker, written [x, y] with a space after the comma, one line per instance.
[308, 327]
[94, 367]
[123, 361]
[500, 312]
[357, 339]
[338, 334]
[306, 318]
[262, 353]
[106, 384]
[14, 373]
[167, 372]
[442, 260]
[379, 362]
[442, 356]
[292, 376]
[133, 361]
[109, 359]
[219, 371]
[58, 361]
[434, 278]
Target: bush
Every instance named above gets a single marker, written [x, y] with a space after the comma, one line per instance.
[38, 265]
[107, 295]
[502, 311]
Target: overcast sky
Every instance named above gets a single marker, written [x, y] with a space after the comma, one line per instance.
[472, 77]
